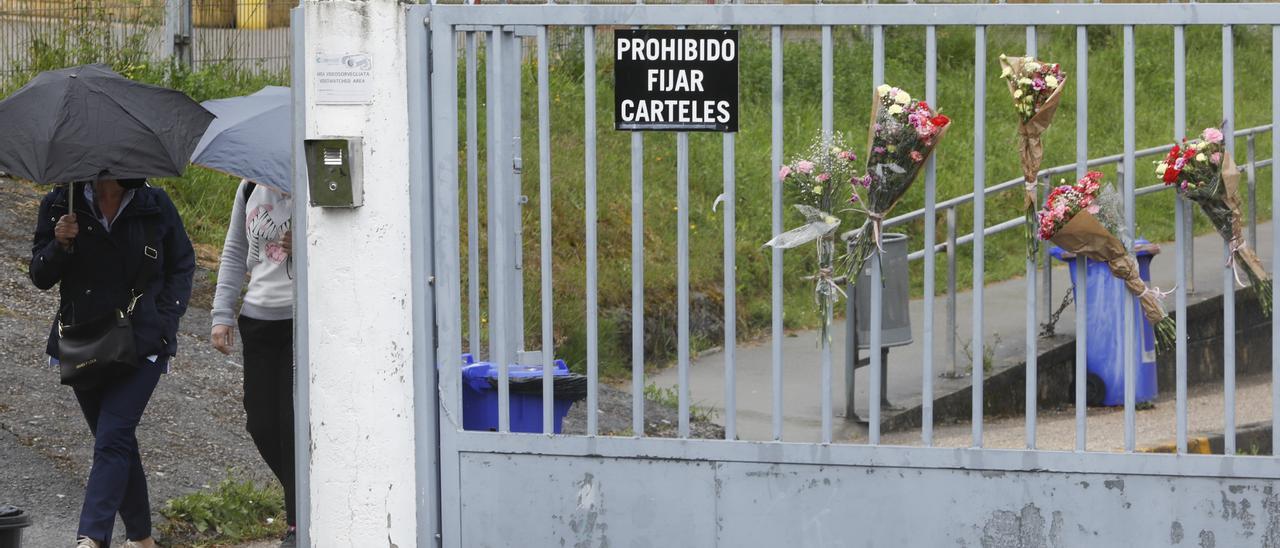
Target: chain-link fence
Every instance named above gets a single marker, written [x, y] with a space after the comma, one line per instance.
[252, 35]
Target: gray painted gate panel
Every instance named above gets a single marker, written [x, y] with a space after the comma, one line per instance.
[529, 500]
[592, 501]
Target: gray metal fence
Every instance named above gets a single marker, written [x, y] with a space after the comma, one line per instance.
[251, 35]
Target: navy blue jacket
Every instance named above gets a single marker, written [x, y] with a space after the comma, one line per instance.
[147, 243]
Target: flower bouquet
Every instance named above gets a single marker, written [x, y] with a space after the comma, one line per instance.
[816, 183]
[903, 134]
[1036, 88]
[1205, 173]
[1085, 219]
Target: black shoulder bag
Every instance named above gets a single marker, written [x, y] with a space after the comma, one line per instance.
[99, 350]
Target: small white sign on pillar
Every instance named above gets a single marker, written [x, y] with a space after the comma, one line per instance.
[344, 79]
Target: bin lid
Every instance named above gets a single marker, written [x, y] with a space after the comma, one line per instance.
[12, 517]
[480, 375]
[1141, 248]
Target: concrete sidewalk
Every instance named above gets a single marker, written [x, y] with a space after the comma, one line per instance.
[1004, 329]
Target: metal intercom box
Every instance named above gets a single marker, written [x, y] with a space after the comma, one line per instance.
[335, 171]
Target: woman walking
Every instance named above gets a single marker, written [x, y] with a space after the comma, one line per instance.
[124, 244]
[259, 243]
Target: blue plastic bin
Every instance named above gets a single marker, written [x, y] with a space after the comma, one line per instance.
[480, 398]
[1105, 331]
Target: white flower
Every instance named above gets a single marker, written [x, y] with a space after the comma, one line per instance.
[883, 89]
[902, 98]
[1033, 66]
[1161, 167]
[1006, 71]
[1017, 94]
[1201, 157]
[895, 109]
[817, 189]
[1051, 81]
[1024, 82]
[1003, 57]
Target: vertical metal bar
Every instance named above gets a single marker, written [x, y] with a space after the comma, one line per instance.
[875, 307]
[499, 227]
[682, 275]
[730, 290]
[1275, 243]
[1251, 170]
[1183, 236]
[951, 293]
[1130, 376]
[447, 289]
[930, 229]
[544, 214]
[426, 402]
[637, 283]
[1228, 278]
[1032, 362]
[589, 138]
[828, 120]
[979, 220]
[474, 337]
[1190, 219]
[1082, 270]
[513, 121]
[301, 326]
[775, 269]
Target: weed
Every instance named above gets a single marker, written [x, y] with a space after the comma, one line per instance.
[670, 397]
[233, 512]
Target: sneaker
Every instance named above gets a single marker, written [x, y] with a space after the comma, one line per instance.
[86, 542]
[290, 539]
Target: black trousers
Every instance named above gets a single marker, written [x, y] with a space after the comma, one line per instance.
[268, 398]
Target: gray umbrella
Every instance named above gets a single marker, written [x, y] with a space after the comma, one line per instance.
[251, 138]
[84, 123]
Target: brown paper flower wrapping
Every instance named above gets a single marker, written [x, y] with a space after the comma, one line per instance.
[1220, 202]
[1031, 148]
[1084, 235]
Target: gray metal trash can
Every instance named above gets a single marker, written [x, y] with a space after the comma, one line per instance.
[895, 317]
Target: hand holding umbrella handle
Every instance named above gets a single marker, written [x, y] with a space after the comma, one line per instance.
[66, 230]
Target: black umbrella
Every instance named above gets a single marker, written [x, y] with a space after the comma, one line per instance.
[86, 123]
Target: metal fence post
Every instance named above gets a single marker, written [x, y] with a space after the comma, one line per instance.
[176, 45]
[1251, 171]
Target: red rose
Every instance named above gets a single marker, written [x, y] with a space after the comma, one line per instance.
[1171, 175]
[923, 105]
[940, 120]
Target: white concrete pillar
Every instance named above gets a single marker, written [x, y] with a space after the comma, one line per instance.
[362, 484]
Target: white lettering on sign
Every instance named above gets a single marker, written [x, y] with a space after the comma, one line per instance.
[675, 80]
[674, 111]
[677, 49]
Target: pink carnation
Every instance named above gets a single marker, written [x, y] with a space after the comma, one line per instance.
[916, 156]
[784, 172]
[1216, 158]
[1212, 135]
[823, 177]
[804, 166]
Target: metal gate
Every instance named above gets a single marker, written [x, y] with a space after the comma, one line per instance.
[502, 488]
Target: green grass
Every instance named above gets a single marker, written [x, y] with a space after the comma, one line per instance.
[802, 84]
[204, 197]
[234, 512]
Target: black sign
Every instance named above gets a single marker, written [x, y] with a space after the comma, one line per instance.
[675, 80]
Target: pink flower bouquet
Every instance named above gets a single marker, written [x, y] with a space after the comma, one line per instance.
[1205, 173]
[903, 133]
[816, 183]
[1084, 219]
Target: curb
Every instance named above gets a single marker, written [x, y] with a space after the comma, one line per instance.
[1251, 439]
